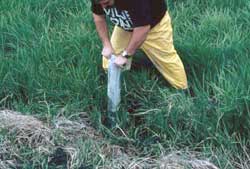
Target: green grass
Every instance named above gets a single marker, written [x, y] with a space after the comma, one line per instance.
[50, 60]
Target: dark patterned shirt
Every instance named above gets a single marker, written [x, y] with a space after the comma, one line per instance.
[129, 14]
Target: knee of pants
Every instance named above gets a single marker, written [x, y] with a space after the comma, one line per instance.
[181, 85]
[177, 79]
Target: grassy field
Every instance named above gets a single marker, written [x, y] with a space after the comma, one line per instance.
[50, 63]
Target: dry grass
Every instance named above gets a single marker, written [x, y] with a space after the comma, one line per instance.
[175, 160]
[72, 130]
[26, 129]
[33, 133]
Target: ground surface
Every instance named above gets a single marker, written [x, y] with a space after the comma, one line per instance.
[50, 67]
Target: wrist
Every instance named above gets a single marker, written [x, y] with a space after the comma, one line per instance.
[126, 54]
[130, 52]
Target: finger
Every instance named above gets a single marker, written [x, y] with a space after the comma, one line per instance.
[122, 66]
[119, 65]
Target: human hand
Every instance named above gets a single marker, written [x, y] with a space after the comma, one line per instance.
[121, 61]
[107, 51]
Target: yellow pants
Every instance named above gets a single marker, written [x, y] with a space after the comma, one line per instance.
[159, 48]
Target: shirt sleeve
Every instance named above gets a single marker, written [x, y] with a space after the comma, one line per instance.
[141, 12]
[97, 9]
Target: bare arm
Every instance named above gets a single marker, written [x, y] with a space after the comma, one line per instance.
[102, 29]
[138, 37]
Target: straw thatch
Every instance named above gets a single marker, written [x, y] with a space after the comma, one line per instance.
[29, 131]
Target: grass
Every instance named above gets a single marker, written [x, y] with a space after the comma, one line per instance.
[50, 63]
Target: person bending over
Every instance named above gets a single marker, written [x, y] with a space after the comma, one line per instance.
[143, 24]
